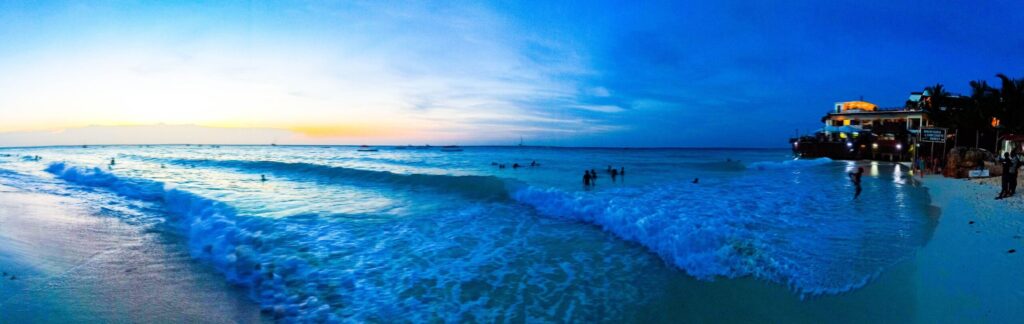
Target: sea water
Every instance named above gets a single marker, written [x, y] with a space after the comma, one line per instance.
[420, 234]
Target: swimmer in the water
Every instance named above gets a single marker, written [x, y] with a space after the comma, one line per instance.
[855, 177]
[263, 177]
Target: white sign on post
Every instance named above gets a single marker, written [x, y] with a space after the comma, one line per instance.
[978, 173]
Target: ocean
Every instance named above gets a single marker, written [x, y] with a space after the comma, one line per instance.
[419, 234]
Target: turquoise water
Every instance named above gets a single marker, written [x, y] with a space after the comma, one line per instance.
[419, 234]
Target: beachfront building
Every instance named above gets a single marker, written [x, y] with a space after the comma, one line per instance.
[860, 129]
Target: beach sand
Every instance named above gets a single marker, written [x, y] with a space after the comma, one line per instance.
[966, 272]
[72, 265]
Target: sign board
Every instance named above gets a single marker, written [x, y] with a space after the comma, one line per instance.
[977, 173]
[934, 135]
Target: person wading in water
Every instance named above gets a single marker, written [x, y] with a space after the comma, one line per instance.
[855, 177]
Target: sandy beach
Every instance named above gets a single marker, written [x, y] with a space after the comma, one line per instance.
[967, 272]
[63, 263]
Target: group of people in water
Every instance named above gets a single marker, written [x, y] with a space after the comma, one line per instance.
[515, 165]
[590, 176]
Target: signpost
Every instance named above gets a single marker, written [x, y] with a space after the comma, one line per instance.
[934, 135]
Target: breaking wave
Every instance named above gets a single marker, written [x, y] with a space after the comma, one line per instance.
[744, 228]
[448, 267]
[214, 235]
[789, 164]
[481, 187]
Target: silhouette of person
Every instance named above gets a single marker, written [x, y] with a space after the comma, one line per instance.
[1015, 160]
[263, 177]
[586, 178]
[1004, 187]
[855, 177]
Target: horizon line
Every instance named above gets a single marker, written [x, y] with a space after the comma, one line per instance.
[408, 145]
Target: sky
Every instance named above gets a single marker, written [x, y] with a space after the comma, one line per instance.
[587, 73]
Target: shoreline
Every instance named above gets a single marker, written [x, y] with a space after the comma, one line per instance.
[75, 265]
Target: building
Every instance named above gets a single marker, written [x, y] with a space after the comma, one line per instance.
[860, 129]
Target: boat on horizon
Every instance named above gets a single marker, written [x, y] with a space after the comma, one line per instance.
[451, 148]
[364, 148]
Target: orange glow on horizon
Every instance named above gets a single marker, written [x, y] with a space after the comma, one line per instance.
[349, 130]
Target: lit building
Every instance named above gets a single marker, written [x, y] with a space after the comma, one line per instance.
[860, 129]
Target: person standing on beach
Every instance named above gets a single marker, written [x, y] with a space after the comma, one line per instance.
[1014, 166]
[1007, 163]
[855, 177]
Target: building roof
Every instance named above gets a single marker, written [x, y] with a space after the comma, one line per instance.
[859, 105]
[874, 115]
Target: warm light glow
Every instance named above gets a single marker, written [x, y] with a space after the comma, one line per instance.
[352, 130]
[859, 105]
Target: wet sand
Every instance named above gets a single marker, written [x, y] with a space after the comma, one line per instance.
[71, 264]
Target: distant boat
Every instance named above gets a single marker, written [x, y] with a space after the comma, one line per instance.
[520, 141]
[365, 148]
[451, 148]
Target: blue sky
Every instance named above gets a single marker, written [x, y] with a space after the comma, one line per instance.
[723, 73]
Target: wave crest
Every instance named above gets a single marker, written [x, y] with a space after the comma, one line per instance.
[788, 164]
[214, 235]
[473, 186]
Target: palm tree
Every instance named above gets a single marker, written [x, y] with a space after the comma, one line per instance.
[983, 105]
[935, 97]
[1011, 102]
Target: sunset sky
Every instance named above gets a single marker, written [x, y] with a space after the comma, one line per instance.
[589, 73]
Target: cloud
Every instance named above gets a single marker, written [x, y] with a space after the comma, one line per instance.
[599, 108]
[147, 134]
